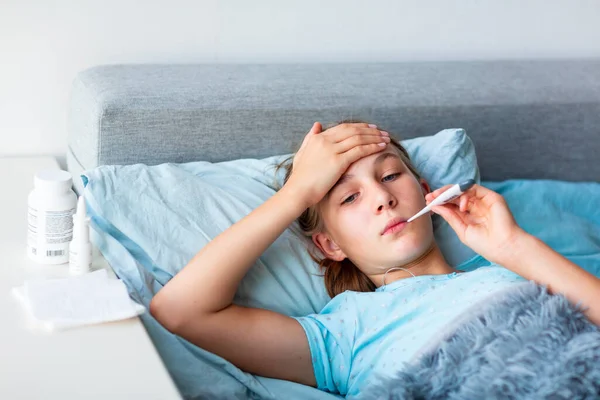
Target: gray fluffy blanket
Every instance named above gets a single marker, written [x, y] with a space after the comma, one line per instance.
[530, 345]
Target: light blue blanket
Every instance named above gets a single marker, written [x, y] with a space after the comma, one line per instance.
[527, 344]
[564, 215]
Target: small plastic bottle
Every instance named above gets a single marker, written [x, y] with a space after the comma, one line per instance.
[80, 249]
[51, 205]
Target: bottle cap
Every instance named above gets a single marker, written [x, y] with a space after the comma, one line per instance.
[81, 227]
[53, 180]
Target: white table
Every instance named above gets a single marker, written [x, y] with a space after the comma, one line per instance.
[107, 361]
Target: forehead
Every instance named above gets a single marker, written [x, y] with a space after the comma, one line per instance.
[374, 160]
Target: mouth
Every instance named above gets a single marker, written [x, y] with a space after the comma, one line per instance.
[395, 225]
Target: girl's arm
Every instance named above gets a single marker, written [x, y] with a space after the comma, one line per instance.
[531, 258]
[483, 221]
[197, 303]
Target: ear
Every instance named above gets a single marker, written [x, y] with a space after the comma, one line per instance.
[425, 186]
[328, 247]
[426, 189]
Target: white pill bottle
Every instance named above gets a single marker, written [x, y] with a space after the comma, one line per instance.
[51, 205]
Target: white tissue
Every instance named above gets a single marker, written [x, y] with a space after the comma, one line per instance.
[75, 301]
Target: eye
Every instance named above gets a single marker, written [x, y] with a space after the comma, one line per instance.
[393, 176]
[349, 199]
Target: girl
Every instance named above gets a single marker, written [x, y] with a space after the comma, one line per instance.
[352, 188]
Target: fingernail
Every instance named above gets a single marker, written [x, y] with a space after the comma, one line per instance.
[387, 139]
[382, 144]
[372, 126]
[384, 133]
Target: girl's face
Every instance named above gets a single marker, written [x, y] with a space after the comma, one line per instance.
[375, 191]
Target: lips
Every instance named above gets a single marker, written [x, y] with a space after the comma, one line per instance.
[394, 225]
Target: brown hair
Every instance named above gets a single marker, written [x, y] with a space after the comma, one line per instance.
[339, 275]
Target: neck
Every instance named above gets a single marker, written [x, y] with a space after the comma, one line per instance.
[431, 262]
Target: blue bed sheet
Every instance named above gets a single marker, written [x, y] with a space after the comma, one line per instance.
[565, 215]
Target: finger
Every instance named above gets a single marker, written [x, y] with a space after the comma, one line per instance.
[482, 192]
[339, 135]
[451, 215]
[358, 152]
[464, 202]
[476, 201]
[484, 200]
[337, 128]
[315, 129]
[356, 124]
[359, 140]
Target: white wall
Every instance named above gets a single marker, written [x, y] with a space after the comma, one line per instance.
[44, 43]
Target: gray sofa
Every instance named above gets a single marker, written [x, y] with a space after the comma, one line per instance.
[529, 119]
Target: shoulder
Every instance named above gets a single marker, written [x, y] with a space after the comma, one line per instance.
[490, 271]
[493, 267]
[488, 268]
[345, 301]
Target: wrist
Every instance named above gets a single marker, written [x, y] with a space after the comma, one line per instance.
[508, 252]
[295, 197]
[299, 193]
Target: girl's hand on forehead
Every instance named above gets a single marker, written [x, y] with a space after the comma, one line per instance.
[481, 219]
[325, 155]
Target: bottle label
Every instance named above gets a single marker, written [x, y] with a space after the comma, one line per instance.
[49, 232]
[77, 265]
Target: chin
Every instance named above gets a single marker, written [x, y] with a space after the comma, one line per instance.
[410, 245]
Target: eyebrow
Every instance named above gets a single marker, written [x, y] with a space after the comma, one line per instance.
[347, 177]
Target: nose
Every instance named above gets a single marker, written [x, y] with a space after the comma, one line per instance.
[385, 200]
